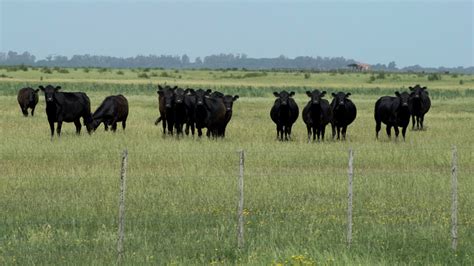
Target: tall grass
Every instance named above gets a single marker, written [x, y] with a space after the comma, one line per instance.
[59, 199]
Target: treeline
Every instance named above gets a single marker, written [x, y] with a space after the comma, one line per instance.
[221, 61]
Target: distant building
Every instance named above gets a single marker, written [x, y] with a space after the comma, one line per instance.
[359, 66]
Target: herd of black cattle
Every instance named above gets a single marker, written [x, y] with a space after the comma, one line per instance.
[199, 109]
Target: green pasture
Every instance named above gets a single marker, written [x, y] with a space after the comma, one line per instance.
[59, 198]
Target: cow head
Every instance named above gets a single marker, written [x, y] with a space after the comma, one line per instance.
[179, 95]
[33, 95]
[283, 97]
[315, 96]
[340, 98]
[201, 95]
[417, 91]
[49, 92]
[229, 101]
[167, 93]
[404, 98]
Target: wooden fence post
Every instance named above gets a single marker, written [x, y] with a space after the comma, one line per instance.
[349, 200]
[240, 214]
[454, 197]
[121, 223]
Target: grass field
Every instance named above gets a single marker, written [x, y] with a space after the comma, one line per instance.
[59, 199]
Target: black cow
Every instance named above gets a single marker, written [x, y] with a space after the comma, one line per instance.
[419, 104]
[28, 98]
[228, 103]
[190, 104]
[179, 110]
[112, 110]
[209, 112]
[317, 114]
[344, 113]
[67, 107]
[393, 112]
[166, 103]
[284, 113]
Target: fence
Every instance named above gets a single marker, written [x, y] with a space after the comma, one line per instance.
[354, 214]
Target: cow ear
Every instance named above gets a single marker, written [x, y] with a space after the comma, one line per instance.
[276, 94]
[41, 87]
[397, 93]
[36, 91]
[160, 92]
[208, 91]
[323, 93]
[308, 93]
[411, 88]
[175, 87]
[423, 88]
[333, 95]
[292, 93]
[57, 88]
[348, 94]
[235, 98]
[160, 88]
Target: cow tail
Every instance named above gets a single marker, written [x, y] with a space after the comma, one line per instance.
[158, 120]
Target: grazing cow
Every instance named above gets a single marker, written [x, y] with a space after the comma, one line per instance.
[317, 114]
[28, 98]
[228, 103]
[419, 104]
[393, 112]
[166, 103]
[284, 113]
[67, 107]
[190, 104]
[112, 110]
[179, 110]
[344, 113]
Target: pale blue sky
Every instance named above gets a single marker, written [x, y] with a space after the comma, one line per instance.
[427, 33]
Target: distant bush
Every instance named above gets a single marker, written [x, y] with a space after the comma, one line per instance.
[63, 71]
[12, 69]
[146, 69]
[461, 82]
[46, 70]
[4, 76]
[86, 70]
[307, 75]
[143, 75]
[176, 71]
[165, 74]
[179, 76]
[153, 74]
[380, 75]
[23, 67]
[120, 72]
[102, 70]
[434, 77]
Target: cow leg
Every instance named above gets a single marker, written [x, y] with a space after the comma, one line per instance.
[396, 131]
[404, 130]
[51, 126]
[106, 125]
[124, 124]
[388, 129]
[378, 126]
[333, 131]
[422, 118]
[192, 129]
[289, 132]
[58, 128]
[24, 111]
[77, 123]
[413, 118]
[114, 126]
[344, 129]
[323, 130]
[33, 111]
[308, 128]
[338, 133]
[164, 126]
[199, 130]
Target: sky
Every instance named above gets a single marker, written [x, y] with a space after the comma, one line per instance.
[427, 33]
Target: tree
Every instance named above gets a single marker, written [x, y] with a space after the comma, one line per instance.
[392, 65]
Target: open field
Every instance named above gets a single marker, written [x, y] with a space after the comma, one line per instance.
[59, 199]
